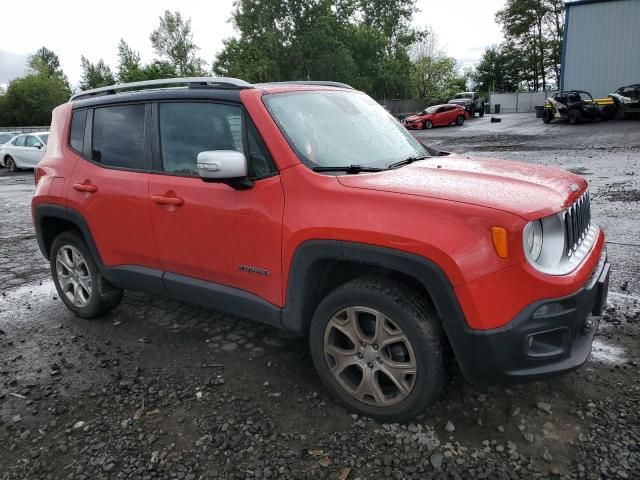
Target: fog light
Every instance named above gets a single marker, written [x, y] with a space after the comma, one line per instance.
[549, 309]
[550, 343]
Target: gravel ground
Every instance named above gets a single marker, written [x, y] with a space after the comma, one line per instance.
[161, 389]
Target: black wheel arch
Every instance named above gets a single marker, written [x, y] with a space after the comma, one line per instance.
[321, 265]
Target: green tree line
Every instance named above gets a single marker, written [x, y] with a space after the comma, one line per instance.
[370, 44]
[530, 56]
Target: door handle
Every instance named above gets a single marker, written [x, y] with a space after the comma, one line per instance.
[85, 187]
[163, 200]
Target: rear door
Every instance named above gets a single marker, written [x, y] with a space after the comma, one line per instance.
[109, 185]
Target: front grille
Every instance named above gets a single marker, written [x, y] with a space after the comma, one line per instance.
[577, 220]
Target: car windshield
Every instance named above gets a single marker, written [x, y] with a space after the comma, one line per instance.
[464, 95]
[5, 137]
[44, 137]
[339, 129]
[431, 110]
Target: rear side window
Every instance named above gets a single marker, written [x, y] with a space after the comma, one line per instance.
[76, 137]
[186, 129]
[118, 136]
[32, 141]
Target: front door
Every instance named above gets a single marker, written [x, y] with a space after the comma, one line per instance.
[211, 231]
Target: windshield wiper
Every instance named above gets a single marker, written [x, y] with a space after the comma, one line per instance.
[351, 169]
[407, 161]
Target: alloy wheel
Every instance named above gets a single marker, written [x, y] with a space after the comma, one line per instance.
[370, 356]
[11, 165]
[74, 276]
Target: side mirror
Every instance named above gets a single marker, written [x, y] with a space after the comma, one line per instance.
[38, 145]
[222, 165]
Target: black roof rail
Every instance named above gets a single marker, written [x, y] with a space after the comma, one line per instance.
[191, 82]
[319, 83]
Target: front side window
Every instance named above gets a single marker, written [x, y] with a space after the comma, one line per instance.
[186, 129]
[338, 128]
[118, 136]
[20, 141]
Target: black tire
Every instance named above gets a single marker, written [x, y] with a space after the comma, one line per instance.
[481, 112]
[472, 112]
[417, 320]
[10, 164]
[104, 296]
[428, 125]
[460, 120]
[547, 115]
[574, 116]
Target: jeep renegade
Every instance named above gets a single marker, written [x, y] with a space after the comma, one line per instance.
[307, 206]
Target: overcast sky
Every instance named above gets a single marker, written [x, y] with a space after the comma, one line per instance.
[73, 28]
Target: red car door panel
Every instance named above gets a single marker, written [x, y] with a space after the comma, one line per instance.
[111, 190]
[191, 225]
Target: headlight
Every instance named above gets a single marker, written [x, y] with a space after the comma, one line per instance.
[532, 240]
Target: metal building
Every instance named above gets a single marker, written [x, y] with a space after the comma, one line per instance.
[601, 49]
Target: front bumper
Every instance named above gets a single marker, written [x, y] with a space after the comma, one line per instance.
[546, 338]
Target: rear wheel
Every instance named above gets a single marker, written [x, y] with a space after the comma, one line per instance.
[79, 283]
[481, 112]
[460, 120]
[472, 112]
[10, 164]
[378, 347]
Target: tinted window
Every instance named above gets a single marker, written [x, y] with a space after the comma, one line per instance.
[118, 136]
[76, 136]
[187, 129]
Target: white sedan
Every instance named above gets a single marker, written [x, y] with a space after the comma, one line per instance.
[24, 151]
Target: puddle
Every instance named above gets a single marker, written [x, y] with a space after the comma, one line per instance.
[608, 354]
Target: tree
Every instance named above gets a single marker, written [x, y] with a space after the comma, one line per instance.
[95, 75]
[498, 70]
[173, 41]
[29, 100]
[434, 73]
[44, 62]
[129, 66]
[533, 28]
[360, 42]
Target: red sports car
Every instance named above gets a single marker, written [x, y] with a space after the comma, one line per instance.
[435, 116]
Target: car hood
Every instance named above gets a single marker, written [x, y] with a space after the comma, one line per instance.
[530, 191]
[413, 118]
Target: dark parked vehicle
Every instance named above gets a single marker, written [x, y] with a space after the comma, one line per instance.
[627, 99]
[471, 101]
[576, 106]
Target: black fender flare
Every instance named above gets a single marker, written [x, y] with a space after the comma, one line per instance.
[425, 271]
[44, 211]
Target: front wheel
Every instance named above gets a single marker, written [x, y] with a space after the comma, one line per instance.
[428, 124]
[481, 111]
[547, 115]
[460, 120]
[79, 283]
[10, 164]
[378, 347]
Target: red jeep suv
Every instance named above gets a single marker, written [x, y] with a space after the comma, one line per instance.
[305, 205]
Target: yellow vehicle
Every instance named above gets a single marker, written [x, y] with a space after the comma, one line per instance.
[577, 106]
